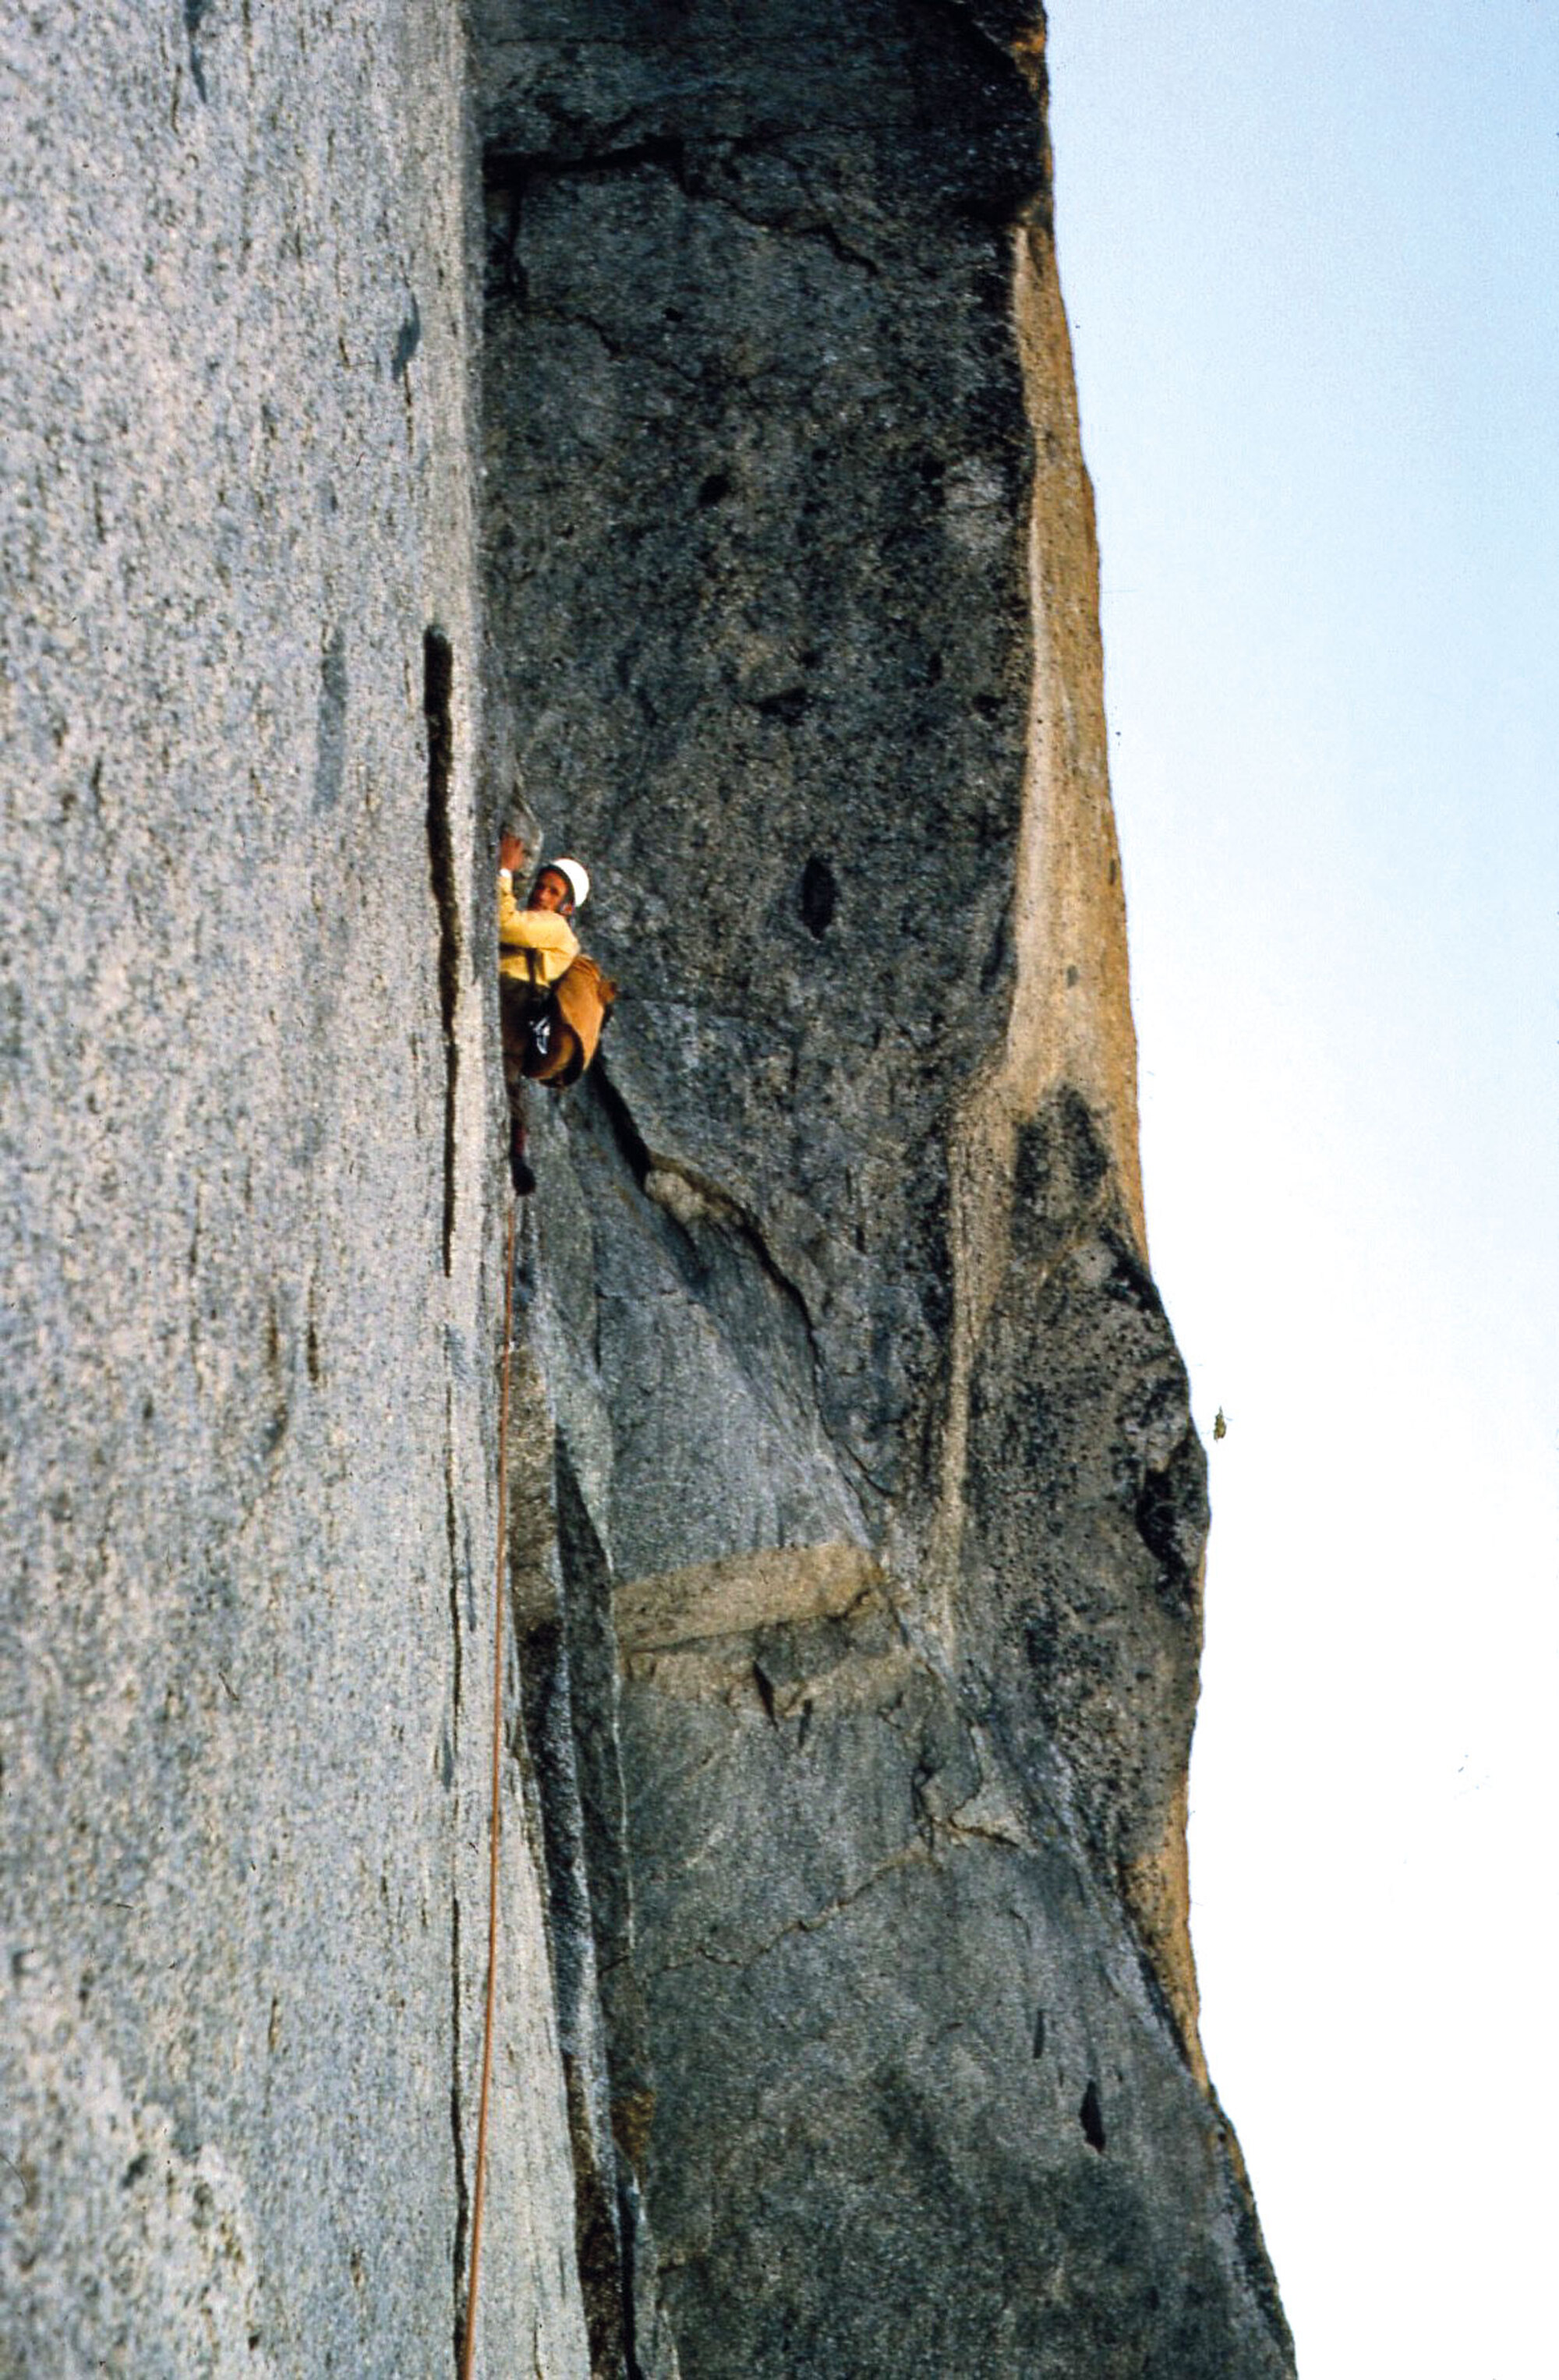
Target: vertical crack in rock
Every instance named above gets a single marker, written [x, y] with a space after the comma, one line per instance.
[438, 675]
[451, 1764]
[603, 1821]
[457, 2135]
[563, 1722]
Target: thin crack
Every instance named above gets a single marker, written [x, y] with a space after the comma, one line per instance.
[914, 1854]
[739, 1220]
[457, 2109]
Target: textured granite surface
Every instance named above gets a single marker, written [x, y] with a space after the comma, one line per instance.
[247, 1383]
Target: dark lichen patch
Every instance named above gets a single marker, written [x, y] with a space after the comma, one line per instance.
[408, 338]
[330, 722]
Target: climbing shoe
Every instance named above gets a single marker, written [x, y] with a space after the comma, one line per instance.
[520, 1174]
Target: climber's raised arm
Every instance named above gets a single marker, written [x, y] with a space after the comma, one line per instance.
[538, 942]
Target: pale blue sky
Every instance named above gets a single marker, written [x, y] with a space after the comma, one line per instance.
[1309, 256]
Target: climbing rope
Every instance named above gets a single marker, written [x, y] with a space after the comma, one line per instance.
[468, 2352]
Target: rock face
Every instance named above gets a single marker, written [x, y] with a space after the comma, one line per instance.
[878, 1461]
[249, 1223]
[848, 2020]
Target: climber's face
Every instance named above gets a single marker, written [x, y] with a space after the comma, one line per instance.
[552, 891]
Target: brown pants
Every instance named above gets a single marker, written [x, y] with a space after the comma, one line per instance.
[578, 1004]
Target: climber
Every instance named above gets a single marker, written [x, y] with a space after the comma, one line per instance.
[553, 999]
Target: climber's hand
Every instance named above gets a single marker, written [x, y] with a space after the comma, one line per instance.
[511, 853]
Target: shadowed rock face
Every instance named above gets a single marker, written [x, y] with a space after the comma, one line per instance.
[877, 1464]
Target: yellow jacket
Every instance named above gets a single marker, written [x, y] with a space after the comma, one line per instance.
[536, 945]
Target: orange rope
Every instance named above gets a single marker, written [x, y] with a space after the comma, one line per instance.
[469, 2349]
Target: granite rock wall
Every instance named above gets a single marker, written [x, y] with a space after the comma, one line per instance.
[249, 1222]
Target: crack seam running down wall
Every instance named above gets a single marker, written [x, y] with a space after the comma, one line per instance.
[437, 679]
[655, 1171]
[456, 2103]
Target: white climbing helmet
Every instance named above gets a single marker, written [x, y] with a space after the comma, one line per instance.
[578, 877]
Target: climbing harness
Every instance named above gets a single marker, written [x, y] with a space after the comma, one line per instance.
[553, 1029]
[468, 2351]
